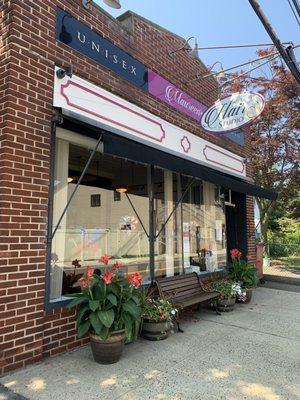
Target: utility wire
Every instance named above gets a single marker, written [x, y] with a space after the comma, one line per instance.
[286, 53]
[294, 12]
[297, 6]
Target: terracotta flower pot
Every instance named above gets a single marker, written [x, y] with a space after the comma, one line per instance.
[108, 351]
[226, 304]
[152, 330]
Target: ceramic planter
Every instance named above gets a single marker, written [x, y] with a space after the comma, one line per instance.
[108, 351]
[248, 297]
[226, 304]
[152, 330]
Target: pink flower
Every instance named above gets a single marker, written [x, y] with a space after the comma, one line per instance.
[105, 258]
[116, 266]
[89, 272]
[235, 253]
[135, 279]
[83, 282]
[107, 277]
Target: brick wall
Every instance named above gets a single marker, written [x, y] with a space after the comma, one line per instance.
[28, 55]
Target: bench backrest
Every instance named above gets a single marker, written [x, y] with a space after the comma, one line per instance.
[179, 287]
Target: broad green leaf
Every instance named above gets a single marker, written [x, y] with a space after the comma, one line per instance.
[97, 292]
[135, 299]
[83, 328]
[96, 323]
[106, 317]
[81, 313]
[128, 325]
[112, 298]
[76, 301]
[94, 304]
[132, 308]
[114, 288]
[104, 333]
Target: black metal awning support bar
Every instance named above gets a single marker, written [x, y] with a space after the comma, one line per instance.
[78, 183]
[136, 213]
[176, 205]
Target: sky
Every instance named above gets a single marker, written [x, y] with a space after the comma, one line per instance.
[217, 22]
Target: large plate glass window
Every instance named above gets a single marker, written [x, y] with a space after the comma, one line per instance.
[98, 221]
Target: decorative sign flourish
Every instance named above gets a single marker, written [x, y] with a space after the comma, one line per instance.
[232, 112]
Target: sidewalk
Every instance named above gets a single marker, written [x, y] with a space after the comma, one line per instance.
[251, 353]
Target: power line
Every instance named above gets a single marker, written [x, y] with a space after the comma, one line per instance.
[286, 53]
[294, 12]
[297, 6]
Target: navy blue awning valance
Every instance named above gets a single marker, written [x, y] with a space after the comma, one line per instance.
[121, 147]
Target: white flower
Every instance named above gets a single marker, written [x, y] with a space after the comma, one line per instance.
[173, 312]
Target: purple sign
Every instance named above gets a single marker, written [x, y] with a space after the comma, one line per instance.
[170, 94]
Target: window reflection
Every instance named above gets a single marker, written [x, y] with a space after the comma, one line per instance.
[98, 221]
[109, 214]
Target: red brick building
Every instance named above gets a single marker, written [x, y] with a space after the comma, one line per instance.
[62, 90]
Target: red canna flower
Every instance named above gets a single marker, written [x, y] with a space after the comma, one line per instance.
[116, 266]
[83, 282]
[107, 277]
[135, 279]
[235, 253]
[105, 258]
[89, 272]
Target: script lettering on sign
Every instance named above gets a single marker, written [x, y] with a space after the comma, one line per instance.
[232, 112]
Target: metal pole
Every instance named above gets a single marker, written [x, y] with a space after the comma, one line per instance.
[286, 54]
[77, 184]
[237, 46]
[54, 122]
[136, 213]
[152, 238]
[176, 205]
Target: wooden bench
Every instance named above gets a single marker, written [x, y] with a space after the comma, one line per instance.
[184, 291]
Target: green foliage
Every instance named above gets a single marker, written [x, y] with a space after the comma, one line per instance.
[241, 271]
[286, 240]
[156, 309]
[106, 307]
[227, 289]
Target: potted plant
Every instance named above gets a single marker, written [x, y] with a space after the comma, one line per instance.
[157, 315]
[228, 291]
[108, 309]
[243, 272]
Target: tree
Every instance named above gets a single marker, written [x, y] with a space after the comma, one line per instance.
[275, 135]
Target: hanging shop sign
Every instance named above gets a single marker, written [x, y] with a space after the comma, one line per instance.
[96, 106]
[233, 112]
[174, 97]
[81, 38]
[86, 41]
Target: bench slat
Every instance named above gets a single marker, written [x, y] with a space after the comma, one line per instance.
[184, 290]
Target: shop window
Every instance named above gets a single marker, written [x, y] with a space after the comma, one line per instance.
[95, 200]
[168, 244]
[108, 226]
[117, 196]
[204, 228]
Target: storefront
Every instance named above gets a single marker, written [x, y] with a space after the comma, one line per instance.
[121, 167]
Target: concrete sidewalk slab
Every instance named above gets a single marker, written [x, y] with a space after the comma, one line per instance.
[251, 353]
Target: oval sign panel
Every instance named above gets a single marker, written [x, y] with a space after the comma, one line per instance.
[232, 112]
